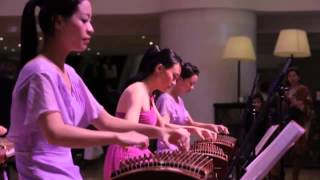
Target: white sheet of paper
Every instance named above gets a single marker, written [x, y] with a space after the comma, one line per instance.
[263, 163]
[265, 138]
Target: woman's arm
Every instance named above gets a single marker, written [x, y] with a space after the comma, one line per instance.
[213, 127]
[168, 135]
[58, 133]
[164, 121]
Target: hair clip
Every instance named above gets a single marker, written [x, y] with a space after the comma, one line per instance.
[157, 48]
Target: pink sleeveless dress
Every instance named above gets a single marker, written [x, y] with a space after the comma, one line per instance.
[117, 153]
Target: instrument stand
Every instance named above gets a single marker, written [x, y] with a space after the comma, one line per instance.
[244, 150]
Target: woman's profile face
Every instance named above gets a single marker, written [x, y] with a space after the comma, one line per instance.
[189, 83]
[168, 77]
[76, 31]
[257, 104]
[293, 78]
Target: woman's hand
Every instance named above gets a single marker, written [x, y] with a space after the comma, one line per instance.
[3, 130]
[222, 129]
[177, 136]
[203, 133]
[218, 128]
[133, 138]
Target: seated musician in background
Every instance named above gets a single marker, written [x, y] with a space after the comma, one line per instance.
[257, 103]
[171, 105]
[300, 110]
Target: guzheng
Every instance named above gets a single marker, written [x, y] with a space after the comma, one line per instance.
[227, 143]
[210, 149]
[186, 165]
[206, 159]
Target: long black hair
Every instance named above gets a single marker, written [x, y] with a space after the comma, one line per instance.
[151, 58]
[154, 56]
[49, 10]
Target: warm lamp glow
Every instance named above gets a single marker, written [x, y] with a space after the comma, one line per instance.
[292, 43]
[239, 48]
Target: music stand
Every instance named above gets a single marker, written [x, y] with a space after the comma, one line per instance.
[263, 163]
[263, 142]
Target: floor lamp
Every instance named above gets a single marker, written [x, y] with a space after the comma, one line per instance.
[292, 43]
[239, 48]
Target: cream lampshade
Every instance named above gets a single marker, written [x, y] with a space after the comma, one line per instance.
[239, 48]
[292, 43]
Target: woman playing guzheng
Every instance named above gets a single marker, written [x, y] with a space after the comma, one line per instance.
[51, 106]
[159, 70]
[171, 105]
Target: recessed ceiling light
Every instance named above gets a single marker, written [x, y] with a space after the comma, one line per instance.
[5, 48]
[98, 53]
[40, 38]
[89, 49]
[13, 50]
[1, 38]
[150, 43]
[19, 45]
[143, 37]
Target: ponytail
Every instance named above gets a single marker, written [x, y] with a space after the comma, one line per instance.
[151, 58]
[49, 9]
[29, 36]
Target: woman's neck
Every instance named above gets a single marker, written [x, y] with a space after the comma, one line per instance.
[55, 53]
[150, 84]
[294, 85]
[175, 92]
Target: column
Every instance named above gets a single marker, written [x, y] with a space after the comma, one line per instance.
[199, 36]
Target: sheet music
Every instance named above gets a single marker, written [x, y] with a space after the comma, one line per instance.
[265, 138]
[262, 164]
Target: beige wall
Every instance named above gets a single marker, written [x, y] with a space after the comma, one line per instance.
[199, 36]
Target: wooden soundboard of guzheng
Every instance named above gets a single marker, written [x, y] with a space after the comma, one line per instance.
[227, 143]
[205, 160]
[214, 151]
[176, 164]
[209, 148]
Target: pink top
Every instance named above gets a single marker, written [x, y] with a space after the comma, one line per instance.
[147, 117]
[117, 153]
[39, 89]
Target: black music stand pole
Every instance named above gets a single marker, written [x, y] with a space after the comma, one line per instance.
[264, 110]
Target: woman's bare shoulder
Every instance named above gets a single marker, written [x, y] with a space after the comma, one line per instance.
[135, 90]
